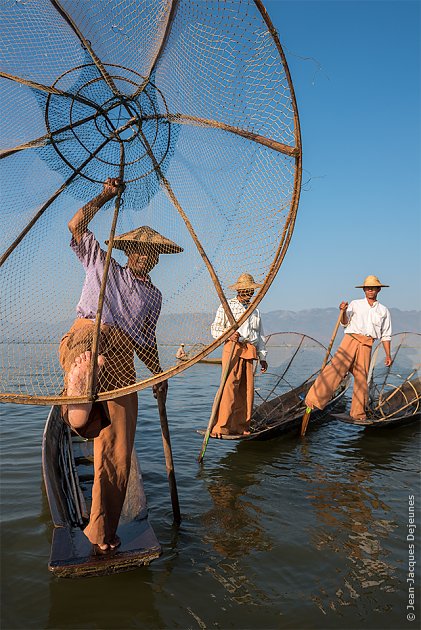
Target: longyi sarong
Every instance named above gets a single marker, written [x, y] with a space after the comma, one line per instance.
[353, 355]
[111, 423]
[236, 405]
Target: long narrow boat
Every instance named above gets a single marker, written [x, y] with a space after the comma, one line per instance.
[67, 463]
[394, 390]
[294, 360]
[284, 413]
[402, 406]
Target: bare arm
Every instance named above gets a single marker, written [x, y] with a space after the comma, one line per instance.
[79, 223]
[344, 319]
[150, 358]
[388, 359]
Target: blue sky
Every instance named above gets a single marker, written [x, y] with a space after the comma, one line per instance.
[356, 72]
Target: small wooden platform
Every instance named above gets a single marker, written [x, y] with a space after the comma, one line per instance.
[68, 475]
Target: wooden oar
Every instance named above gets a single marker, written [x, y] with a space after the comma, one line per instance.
[216, 402]
[168, 456]
[307, 413]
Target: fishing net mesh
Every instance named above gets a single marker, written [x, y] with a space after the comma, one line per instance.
[191, 105]
[294, 362]
[396, 389]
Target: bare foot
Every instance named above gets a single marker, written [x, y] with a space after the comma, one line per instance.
[77, 385]
[106, 547]
[246, 432]
[116, 543]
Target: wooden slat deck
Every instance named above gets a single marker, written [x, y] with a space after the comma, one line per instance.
[68, 473]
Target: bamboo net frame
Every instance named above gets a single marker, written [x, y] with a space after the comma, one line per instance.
[294, 362]
[193, 106]
[396, 390]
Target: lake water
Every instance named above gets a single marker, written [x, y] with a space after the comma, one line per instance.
[287, 533]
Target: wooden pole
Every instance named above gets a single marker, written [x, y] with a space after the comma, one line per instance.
[168, 456]
[307, 413]
[216, 402]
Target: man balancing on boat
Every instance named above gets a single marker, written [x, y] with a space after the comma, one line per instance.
[236, 404]
[364, 320]
[131, 308]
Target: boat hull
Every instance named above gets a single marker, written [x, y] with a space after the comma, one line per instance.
[68, 475]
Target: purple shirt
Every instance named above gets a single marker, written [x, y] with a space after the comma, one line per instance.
[131, 304]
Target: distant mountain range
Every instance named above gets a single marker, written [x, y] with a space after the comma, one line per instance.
[192, 328]
[320, 322]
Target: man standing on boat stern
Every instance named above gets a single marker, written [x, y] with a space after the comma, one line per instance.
[364, 321]
[236, 405]
[131, 308]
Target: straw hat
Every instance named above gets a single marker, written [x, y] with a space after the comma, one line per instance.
[371, 281]
[146, 236]
[245, 281]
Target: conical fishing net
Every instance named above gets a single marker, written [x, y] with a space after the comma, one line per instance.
[191, 104]
[395, 390]
[294, 362]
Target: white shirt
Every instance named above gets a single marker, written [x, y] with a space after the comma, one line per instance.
[251, 330]
[372, 321]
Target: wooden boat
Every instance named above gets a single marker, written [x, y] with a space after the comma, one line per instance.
[394, 390]
[67, 463]
[295, 360]
[285, 412]
[211, 361]
[401, 406]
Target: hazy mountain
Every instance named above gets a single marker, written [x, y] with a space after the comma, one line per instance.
[192, 328]
[320, 322]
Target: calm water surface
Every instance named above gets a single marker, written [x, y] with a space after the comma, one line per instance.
[287, 533]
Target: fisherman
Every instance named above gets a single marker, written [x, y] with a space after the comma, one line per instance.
[236, 405]
[181, 354]
[364, 320]
[131, 308]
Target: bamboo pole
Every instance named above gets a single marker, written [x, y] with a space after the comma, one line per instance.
[185, 119]
[97, 330]
[307, 413]
[48, 203]
[216, 402]
[166, 441]
[50, 90]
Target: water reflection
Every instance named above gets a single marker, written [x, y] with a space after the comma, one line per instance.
[233, 524]
[355, 516]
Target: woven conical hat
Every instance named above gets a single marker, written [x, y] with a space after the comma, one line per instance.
[146, 236]
[245, 281]
[371, 281]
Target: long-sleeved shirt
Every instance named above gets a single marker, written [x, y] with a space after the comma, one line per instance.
[251, 330]
[131, 304]
[372, 321]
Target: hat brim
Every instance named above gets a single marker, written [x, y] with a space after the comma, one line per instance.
[237, 287]
[159, 248]
[364, 286]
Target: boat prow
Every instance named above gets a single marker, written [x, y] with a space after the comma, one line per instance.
[68, 473]
[401, 404]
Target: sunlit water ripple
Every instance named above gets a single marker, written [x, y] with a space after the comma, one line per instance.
[287, 533]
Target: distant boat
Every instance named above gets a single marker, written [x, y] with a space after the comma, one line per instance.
[67, 463]
[195, 350]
